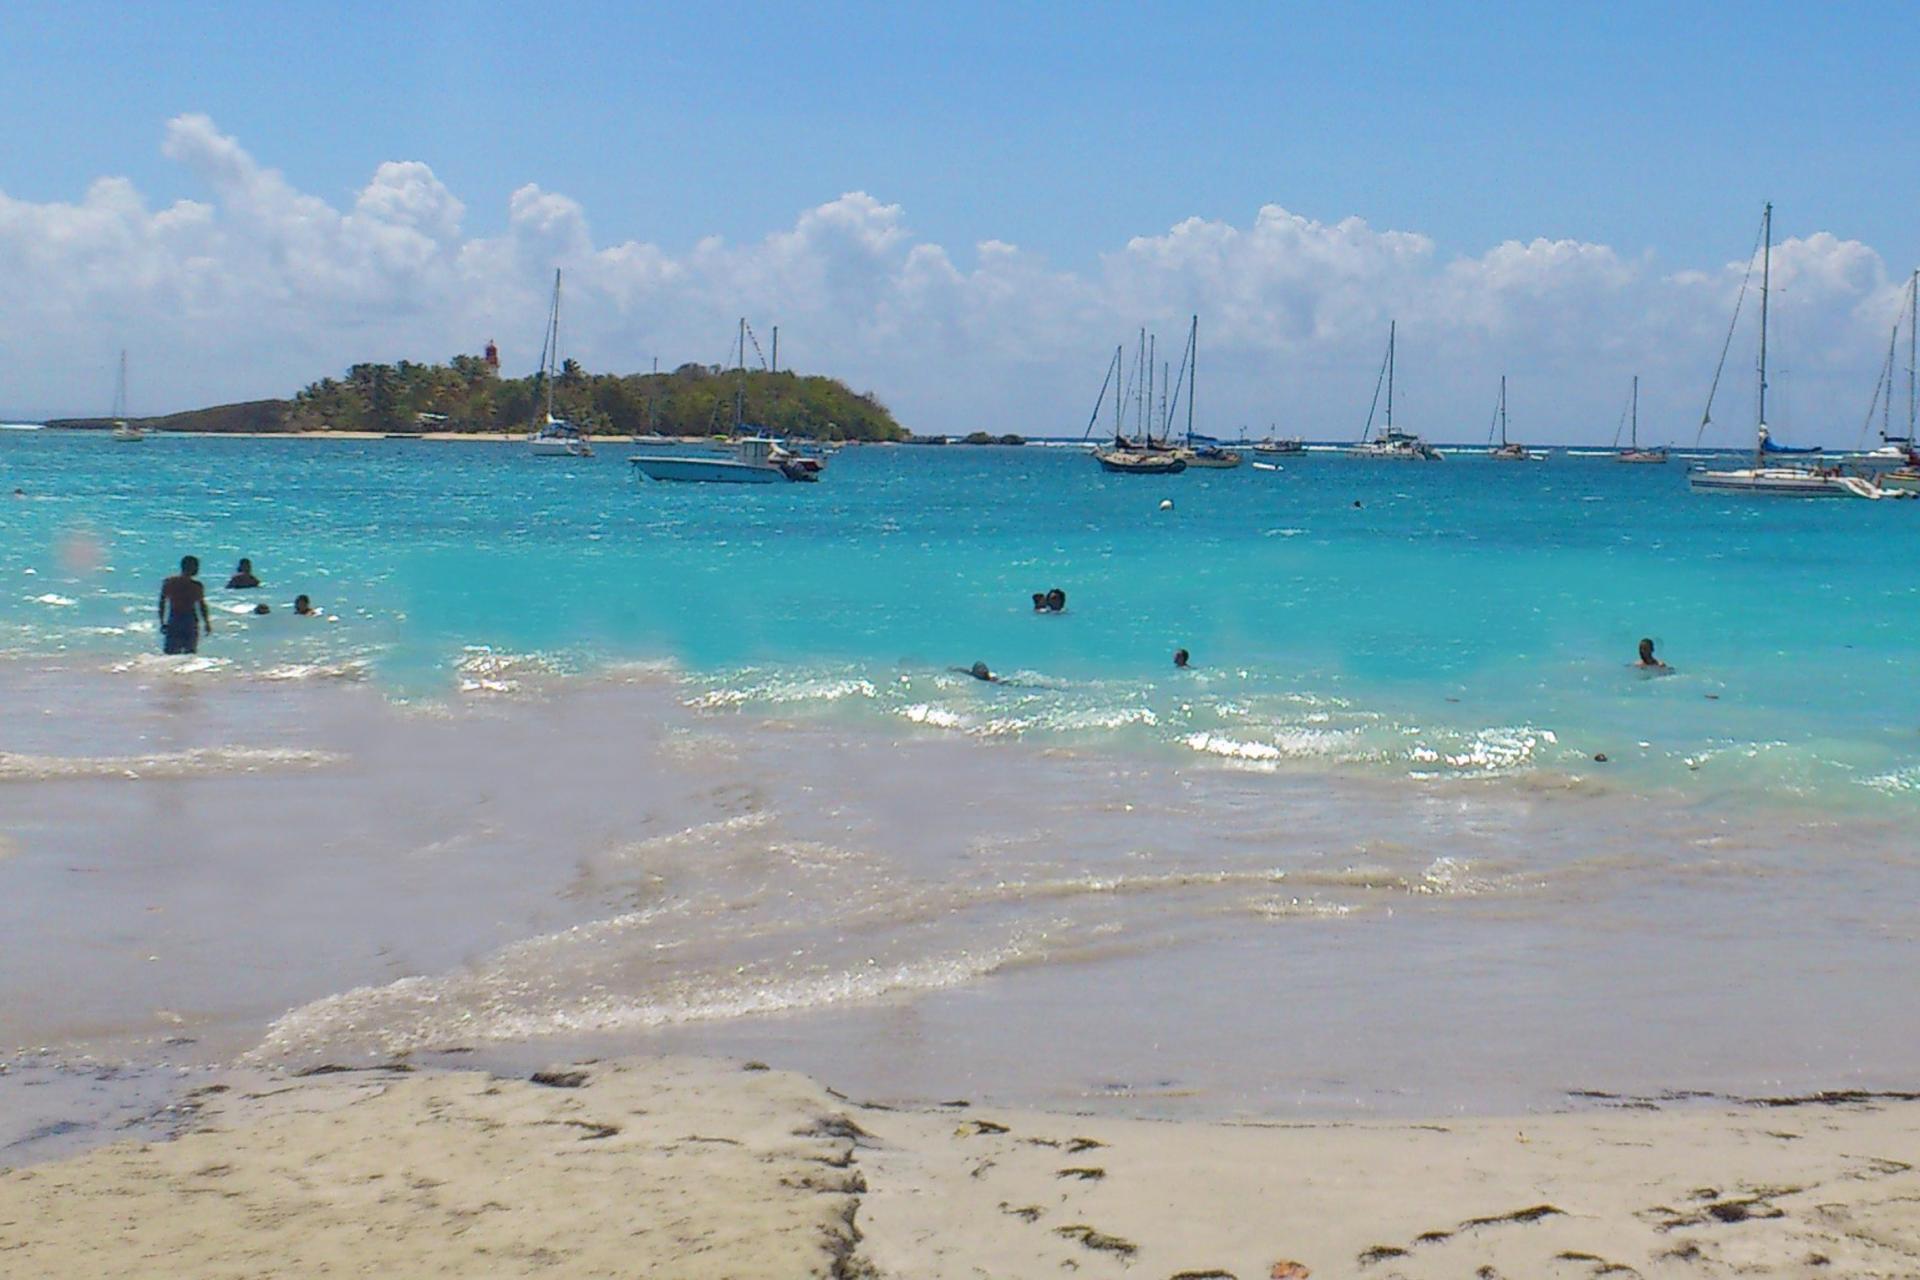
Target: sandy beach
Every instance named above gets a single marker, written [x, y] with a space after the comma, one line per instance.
[706, 1168]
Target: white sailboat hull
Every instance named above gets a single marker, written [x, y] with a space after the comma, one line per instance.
[1785, 482]
[551, 447]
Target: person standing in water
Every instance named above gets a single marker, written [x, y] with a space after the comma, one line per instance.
[1647, 660]
[181, 597]
[243, 579]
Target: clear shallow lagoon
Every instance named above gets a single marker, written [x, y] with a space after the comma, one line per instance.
[1466, 617]
[586, 764]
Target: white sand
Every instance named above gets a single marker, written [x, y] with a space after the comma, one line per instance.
[700, 1169]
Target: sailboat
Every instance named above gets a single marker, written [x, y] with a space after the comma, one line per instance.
[555, 437]
[1899, 451]
[1509, 452]
[124, 431]
[1776, 479]
[1199, 451]
[1633, 452]
[1143, 457]
[1392, 443]
[754, 457]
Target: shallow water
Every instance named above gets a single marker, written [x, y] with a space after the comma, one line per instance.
[585, 766]
[1467, 618]
[610, 866]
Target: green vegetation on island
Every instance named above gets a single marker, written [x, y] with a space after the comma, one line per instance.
[467, 394]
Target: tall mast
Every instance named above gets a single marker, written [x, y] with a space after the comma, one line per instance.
[740, 383]
[1503, 411]
[1193, 370]
[1140, 382]
[553, 340]
[1913, 317]
[1152, 355]
[1119, 363]
[1636, 413]
[120, 388]
[1391, 326]
[776, 349]
[1766, 271]
[1166, 380]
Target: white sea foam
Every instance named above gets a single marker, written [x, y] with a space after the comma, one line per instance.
[54, 601]
[497, 1002]
[199, 762]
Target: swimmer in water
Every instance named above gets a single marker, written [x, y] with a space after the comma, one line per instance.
[1039, 602]
[1647, 661]
[181, 598]
[243, 579]
[979, 671]
[261, 609]
[1056, 601]
[1180, 658]
[303, 606]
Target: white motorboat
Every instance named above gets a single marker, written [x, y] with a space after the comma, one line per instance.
[753, 460]
[750, 458]
[555, 437]
[1392, 443]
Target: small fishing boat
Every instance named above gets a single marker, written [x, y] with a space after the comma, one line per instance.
[555, 437]
[1392, 443]
[1768, 478]
[1509, 452]
[123, 431]
[1633, 452]
[748, 458]
[751, 460]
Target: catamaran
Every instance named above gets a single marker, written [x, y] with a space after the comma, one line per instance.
[124, 431]
[1393, 443]
[752, 457]
[555, 437]
[1509, 452]
[1775, 479]
[1633, 452]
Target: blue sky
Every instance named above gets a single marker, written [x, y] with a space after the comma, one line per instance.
[1065, 130]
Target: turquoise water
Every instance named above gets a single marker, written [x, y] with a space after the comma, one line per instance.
[1467, 618]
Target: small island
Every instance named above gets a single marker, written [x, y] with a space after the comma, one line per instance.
[467, 396]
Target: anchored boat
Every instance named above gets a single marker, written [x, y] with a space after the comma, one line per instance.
[1633, 452]
[1777, 479]
[1392, 443]
[1508, 452]
[555, 437]
[124, 431]
[750, 459]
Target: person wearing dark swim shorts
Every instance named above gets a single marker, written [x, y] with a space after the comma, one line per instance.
[181, 598]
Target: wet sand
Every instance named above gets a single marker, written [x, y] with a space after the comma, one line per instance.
[703, 1168]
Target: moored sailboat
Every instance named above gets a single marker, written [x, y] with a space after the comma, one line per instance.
[555, 437]
[1142, 457]
[1775, 479]
[124, 431]
[1393, 443]
[1509, 451]
[1633, 452]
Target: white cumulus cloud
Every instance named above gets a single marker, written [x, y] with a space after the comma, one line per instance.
[258, 287]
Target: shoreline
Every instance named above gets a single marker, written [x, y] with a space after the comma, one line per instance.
[702, 1167]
